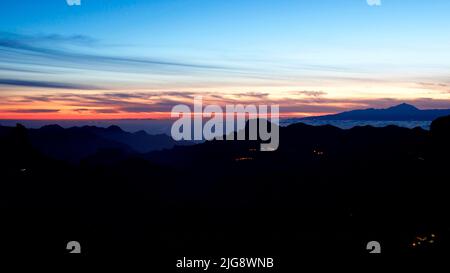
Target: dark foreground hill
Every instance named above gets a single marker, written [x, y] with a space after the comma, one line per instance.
[324, 188]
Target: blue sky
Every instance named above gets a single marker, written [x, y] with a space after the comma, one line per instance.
[344, 50]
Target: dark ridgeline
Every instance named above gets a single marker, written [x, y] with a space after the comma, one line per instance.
[401, 112]
[76, 143]
[324, 189]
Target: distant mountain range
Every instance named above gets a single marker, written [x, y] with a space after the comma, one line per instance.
[401, 112]
[76, 143]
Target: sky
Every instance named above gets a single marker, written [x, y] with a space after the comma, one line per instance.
[137, 59]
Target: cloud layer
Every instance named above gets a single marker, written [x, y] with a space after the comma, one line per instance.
[297, 103]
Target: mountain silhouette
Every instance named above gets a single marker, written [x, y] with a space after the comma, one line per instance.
[323, 186]
[401, 112]
[139, 141]
[76, 143]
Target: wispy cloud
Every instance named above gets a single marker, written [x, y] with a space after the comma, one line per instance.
[105, 111]
[33, 111]
[310, 93]
[79, 53]
[436, 86]
[41, 84]
[43, 46]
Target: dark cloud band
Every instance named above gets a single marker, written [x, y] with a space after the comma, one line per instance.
[43, 84]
